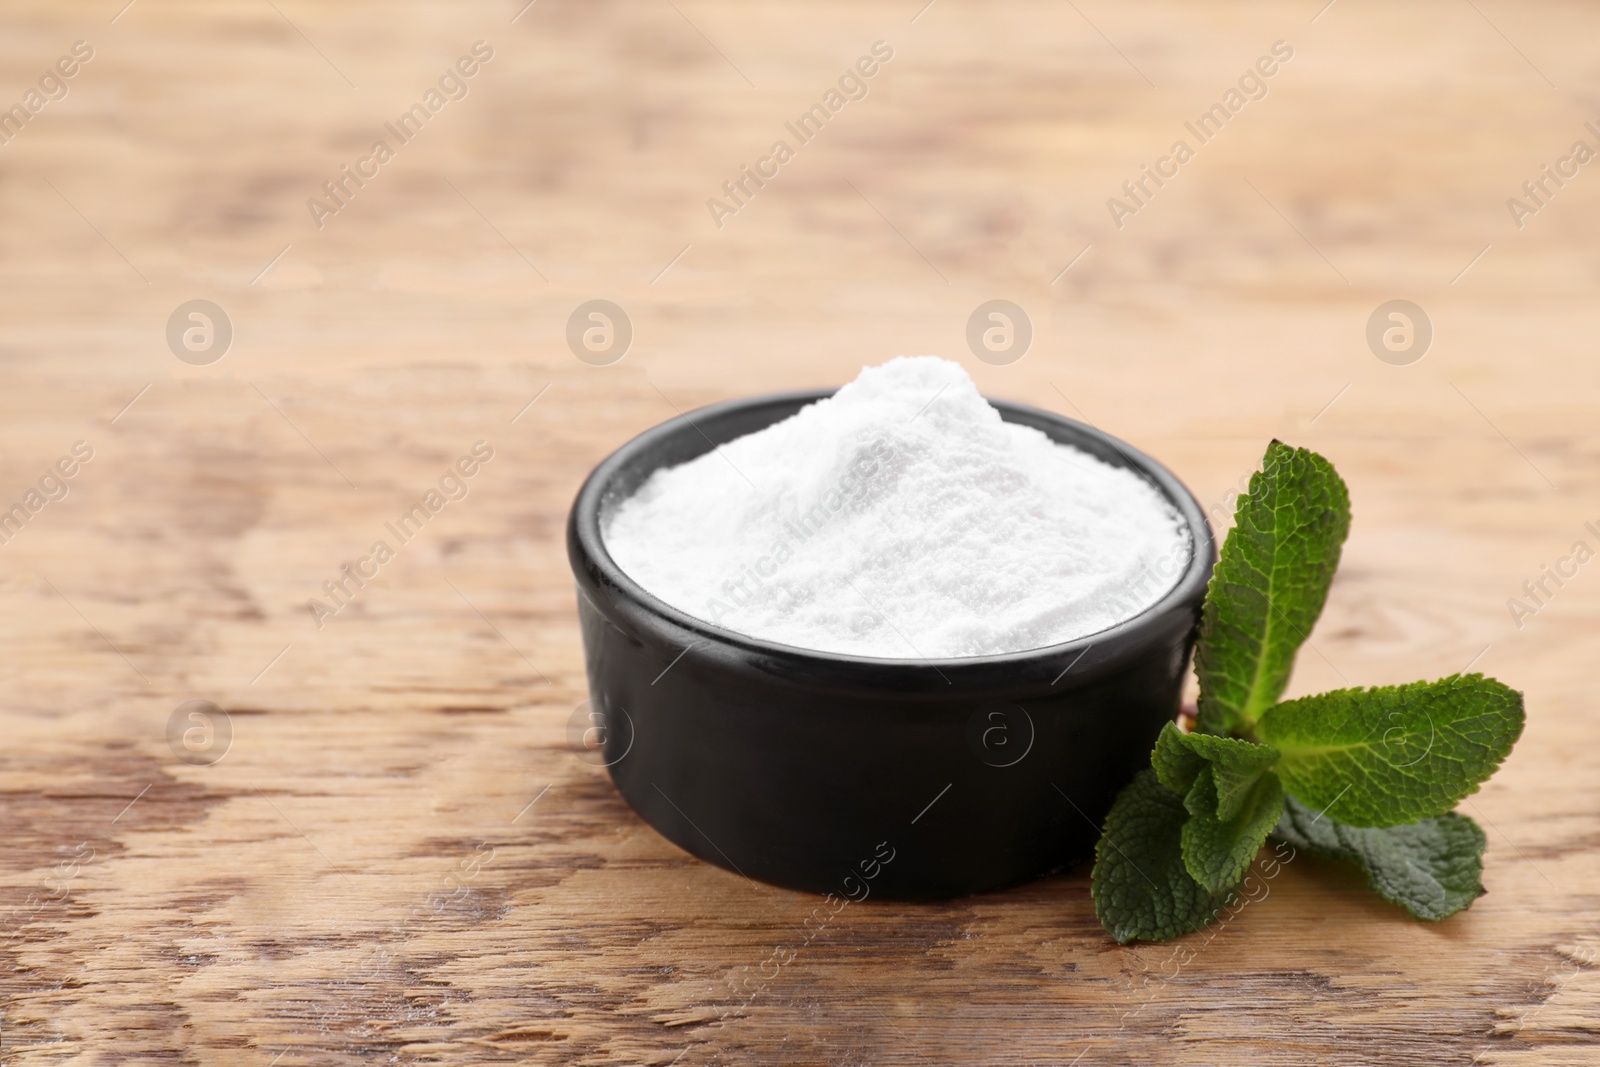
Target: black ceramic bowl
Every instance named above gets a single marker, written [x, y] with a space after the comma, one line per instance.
[858, 776]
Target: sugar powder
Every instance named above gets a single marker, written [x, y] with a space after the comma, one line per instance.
[901, 518]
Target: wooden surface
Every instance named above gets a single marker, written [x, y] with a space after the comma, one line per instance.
[362, 878]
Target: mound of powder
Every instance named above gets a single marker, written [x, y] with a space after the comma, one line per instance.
[901, 518]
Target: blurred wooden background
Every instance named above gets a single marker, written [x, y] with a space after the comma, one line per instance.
[362, 878]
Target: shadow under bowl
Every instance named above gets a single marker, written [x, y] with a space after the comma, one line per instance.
[860, 776]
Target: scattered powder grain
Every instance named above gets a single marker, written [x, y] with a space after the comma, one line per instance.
[901, 518]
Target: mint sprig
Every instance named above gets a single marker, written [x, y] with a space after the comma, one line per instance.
[1363, 776]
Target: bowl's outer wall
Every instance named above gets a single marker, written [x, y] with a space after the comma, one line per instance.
[884, 779]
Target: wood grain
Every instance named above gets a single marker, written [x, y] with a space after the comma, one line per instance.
[366, 876]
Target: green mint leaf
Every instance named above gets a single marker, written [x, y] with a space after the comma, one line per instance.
[1217, 850]
[1141, 889]
[1235, 764]
[1383, 757]
[1432, 868]
[1176, 762]
[1269, 585]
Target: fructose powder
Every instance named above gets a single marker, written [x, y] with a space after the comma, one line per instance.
[901, 518]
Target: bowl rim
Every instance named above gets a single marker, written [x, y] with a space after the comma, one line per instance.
[597, 572]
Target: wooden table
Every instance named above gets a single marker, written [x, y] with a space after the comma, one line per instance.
[401, 859]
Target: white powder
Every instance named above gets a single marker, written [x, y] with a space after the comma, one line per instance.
[901, 518]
